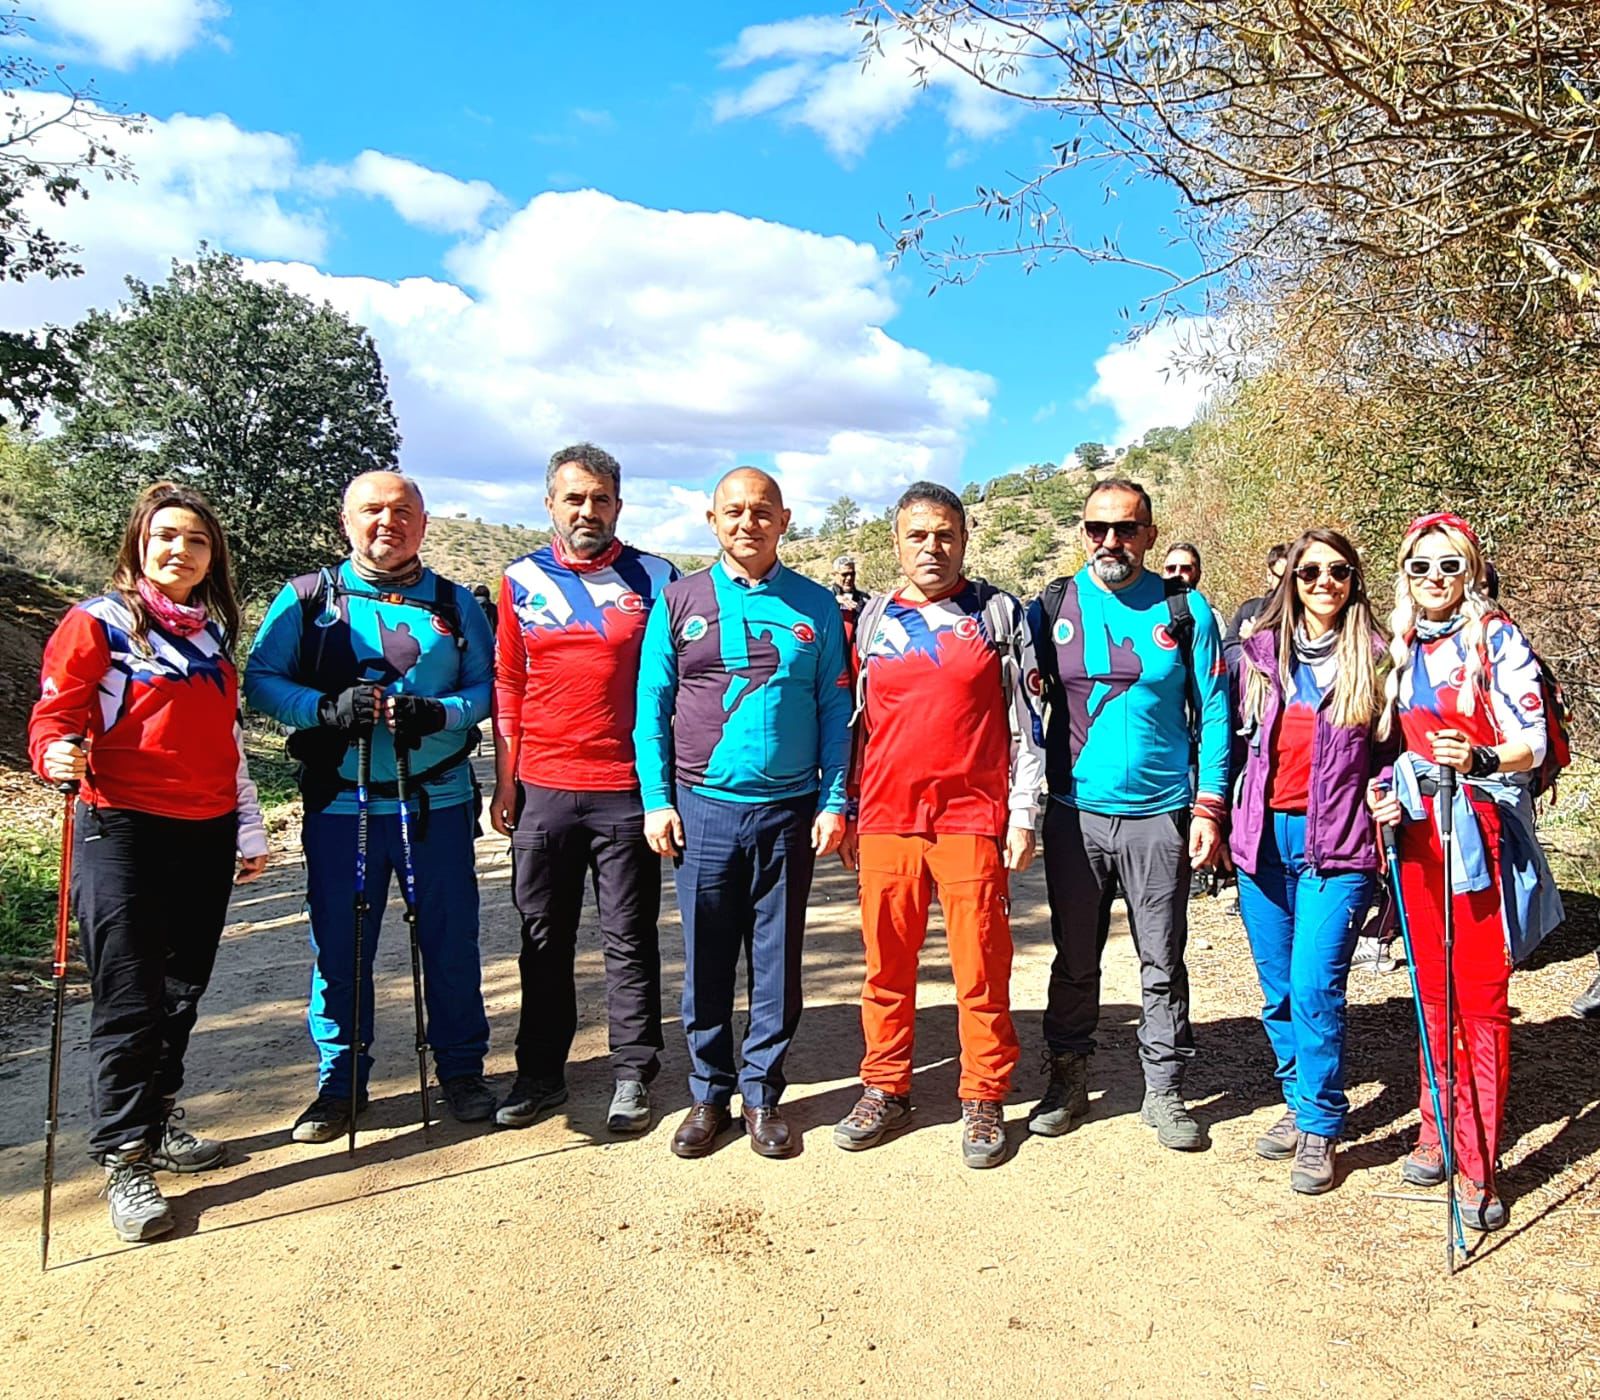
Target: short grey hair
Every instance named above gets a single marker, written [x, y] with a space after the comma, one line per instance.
[409, 482]
[594, 460]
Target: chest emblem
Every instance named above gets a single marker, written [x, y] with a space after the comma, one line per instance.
[694, 628]
[630, 603]
[1063, 632]
[966, 629]
[804, 632]
[1162, 637]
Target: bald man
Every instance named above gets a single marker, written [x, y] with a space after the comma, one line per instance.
[741, 740]
[381, 645]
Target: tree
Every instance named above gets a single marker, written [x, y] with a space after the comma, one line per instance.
[842, 515]
[1039, 472]
[971, 493]
[54, 138]
[262, 399]
[1092, 456]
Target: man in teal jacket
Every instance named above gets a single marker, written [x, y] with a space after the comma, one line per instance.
[742, 741]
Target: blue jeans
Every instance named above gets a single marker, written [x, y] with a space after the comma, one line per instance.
[1301, 930]
[743, 881]
[447, 934]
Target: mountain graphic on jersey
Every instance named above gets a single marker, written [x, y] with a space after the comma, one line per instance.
[744, 681]
[400, 653]
[164, 660]
[1087, 697]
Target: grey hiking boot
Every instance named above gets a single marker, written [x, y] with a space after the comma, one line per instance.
[1312, 1173]
[139, 1211]
[1175, 1127]
[1066, 1098]
[983, 1132]
[468, 1097]
[630, 1107]
[181, 1151]
[529, 1098]
[876, 1115]
[1425, 1165]
[327, 1118]
[1279, 1141]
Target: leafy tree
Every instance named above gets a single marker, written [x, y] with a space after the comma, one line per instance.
[1039, 472]
[1012, 484]
[42, 109]
[801, 532]
[971, 493]
[262, 399]
[1093, 456]
[842, 515]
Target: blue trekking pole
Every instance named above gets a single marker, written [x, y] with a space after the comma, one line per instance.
[408, 886]
[357, 1046]
[1454, 1237]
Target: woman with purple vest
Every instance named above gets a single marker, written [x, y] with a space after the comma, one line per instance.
[1303, 841]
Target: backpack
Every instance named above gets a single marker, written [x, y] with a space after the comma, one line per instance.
[1002, 618]
[319, 594]
[1557, 718]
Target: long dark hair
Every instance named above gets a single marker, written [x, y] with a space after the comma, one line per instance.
[1357, 698]
[215, 590]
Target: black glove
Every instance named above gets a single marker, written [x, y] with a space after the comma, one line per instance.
[412, 717]
[353, 711]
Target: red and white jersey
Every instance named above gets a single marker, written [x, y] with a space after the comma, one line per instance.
[938, 754]
[1507, 708]
[161, 715]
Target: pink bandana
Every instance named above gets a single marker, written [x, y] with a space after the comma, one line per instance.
[1444, 517]
[177, 618]
[603, 560]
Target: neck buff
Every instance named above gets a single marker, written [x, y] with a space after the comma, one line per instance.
[180, 619]
[1318, 656]
[1431, 631]
[603, 560]
[407, 574]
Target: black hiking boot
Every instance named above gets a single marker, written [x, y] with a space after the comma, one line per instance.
[180, 1150]
[139, 1212]
[529, 1098]
[327, 1118]
[1066, 1097]
[468, 1097]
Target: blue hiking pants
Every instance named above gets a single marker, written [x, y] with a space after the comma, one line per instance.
[743, 881]
[1302, 933]
[447, 933]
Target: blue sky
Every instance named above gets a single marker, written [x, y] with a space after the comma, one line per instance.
[657, 229]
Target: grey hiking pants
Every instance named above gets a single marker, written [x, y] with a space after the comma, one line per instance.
[1087, 856]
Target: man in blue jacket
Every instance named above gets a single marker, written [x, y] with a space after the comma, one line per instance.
[742, 741]
[383, 646]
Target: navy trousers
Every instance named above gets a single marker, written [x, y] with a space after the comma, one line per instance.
[743, 881]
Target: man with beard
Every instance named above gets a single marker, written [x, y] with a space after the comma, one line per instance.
[571, 623]
[1131, 668]
[743, 737]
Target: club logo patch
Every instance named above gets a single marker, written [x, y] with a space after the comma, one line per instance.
[966, 629]
[1532, 702]
[1063, 632]
[439, 625]
[1458, 677]
[694, 628]
[630, 603]
[538, 602]
[1035, 682]
[1163, 638]
[804, 632]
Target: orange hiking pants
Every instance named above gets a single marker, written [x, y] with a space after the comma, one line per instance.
[899, 875]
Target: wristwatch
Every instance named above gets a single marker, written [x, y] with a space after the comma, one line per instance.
[1485, 761]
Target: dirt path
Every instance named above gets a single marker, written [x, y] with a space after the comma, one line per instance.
[555, 1261]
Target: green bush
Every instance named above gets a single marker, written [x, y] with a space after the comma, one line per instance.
[30, 857]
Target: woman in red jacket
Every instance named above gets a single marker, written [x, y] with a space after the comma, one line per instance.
[165, 803]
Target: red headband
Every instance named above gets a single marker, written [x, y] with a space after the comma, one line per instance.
[1444, 517]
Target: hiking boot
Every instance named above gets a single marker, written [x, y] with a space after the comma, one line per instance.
[1366, 955]
[468, 1097]
[1312, 1173]
[1175, 1127]
[1587, 1003]
[327, 1118]
[1425, 1165]
[875, 1116]
[1481, 1209]
[1279, 1141]
[181, 1151]
[1066, 1097]
[139, 1211]
[630, 1107]
[529, 1098]
[983, 1132]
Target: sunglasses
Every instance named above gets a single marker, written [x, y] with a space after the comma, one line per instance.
[1310, 573]
[1125, 529]
[1446, 566]
[1173, 570]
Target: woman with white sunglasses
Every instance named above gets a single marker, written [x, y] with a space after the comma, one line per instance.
[1465, 693]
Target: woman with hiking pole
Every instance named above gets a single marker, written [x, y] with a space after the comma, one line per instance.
[1302, 841]
[166, 813]
[1465, 693]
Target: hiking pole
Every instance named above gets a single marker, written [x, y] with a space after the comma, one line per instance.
[408, 886]
[1391, 844]
[58, 970]
[1447, 845]
[357, 1046]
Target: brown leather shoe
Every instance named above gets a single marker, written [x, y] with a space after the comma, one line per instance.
[701, 1127]
[769, 1133]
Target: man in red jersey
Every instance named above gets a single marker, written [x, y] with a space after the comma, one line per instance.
[949, 771]
[571, 620]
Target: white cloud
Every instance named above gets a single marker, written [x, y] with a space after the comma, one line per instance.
[823, 84]
[121, 33]
[1145, 383]
[427, 198]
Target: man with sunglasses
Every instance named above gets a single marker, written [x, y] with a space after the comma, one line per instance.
[1130, 668]
[1183, 563]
